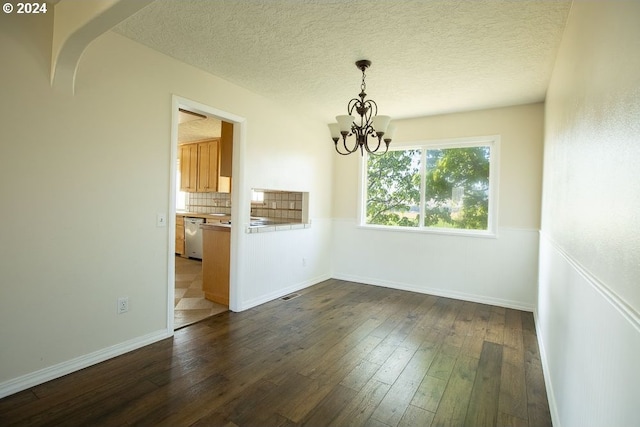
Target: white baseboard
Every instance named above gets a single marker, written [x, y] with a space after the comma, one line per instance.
[551, 399]
[517, 305]
[282, 292]
[56, 371]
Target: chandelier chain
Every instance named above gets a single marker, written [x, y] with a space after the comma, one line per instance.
[363, 86]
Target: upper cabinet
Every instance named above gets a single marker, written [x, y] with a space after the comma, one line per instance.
[200, 168]
[208, 153]
[188, 154]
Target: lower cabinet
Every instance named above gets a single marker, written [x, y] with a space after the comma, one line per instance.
[216, 255]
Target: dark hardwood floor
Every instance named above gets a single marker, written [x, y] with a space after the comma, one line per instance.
[339, 354]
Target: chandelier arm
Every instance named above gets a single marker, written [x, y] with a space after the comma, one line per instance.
[378, 153]
[368, 130]
[353, 103]
[347, 149]
[375, 149]
[375, 152]
[357, 105]
[341, 153]
[372, 110]
[344, 144]
[365, 117]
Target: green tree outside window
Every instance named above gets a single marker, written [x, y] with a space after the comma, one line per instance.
[456, 189]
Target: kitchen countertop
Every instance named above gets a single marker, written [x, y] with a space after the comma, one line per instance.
[220, 216]
[257, 224]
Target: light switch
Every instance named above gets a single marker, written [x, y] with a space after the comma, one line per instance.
[161, 220]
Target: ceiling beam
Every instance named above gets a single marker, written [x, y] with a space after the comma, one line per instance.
[77, 24]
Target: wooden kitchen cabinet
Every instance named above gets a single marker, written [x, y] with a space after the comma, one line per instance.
[180, 235]
[218, 219]
[216, 256]
[188, 167]
[200, 168]
[207, 167]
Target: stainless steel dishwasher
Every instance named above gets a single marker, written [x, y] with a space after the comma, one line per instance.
[193, 237]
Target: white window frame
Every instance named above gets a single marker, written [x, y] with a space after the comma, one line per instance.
[493, 141]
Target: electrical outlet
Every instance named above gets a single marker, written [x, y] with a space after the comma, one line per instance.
[123, 305]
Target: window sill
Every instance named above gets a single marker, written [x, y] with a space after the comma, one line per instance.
[426, 230]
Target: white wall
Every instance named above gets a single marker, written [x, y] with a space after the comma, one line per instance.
[82, 178]
[589, 296]
[501, 271]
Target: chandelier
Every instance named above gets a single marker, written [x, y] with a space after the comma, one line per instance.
[369, 124]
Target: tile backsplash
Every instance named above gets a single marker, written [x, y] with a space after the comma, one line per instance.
[283, 205]
[208, 203]
[280, 205]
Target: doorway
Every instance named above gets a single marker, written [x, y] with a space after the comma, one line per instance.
[190, 305]
[194, 123]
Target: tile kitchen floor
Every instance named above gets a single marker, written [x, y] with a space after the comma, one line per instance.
[190, 304]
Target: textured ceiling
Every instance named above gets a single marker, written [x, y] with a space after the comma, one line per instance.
[197, 127]
[198, 130]
[429, 57]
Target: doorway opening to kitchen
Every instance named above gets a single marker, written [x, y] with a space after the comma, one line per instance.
[202, 198]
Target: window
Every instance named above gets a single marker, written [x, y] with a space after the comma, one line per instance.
[436, 186]
[257, 197]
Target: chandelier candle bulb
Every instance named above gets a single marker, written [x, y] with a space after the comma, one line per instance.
[391, 130]
[335, 131]
[380, 124]
[344, 123]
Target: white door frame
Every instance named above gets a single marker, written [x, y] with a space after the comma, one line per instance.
[239, 132]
